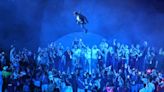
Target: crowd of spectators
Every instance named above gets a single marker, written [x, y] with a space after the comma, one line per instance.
[104, 67]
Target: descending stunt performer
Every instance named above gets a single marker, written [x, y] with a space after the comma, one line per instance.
[81, 20]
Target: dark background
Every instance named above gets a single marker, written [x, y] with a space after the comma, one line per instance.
[33, 23]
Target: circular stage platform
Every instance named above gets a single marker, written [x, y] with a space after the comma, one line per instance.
[89, 39]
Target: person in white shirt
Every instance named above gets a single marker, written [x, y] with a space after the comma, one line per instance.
[94, 57]
[76, 55]
[88, 58]
[104, 49]
[143, 89]
[150, 86]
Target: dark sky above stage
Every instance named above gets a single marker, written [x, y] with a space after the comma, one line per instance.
[30, 23]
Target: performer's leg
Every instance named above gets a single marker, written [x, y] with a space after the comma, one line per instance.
[83, 27]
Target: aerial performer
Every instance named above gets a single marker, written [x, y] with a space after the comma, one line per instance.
[81, 20]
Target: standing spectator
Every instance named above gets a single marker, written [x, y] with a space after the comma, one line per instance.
[1, 80]
[68, 59]
[44, 82]
[88, 59]
[94, 57]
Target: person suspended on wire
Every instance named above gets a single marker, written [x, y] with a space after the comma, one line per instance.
[81, 20]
